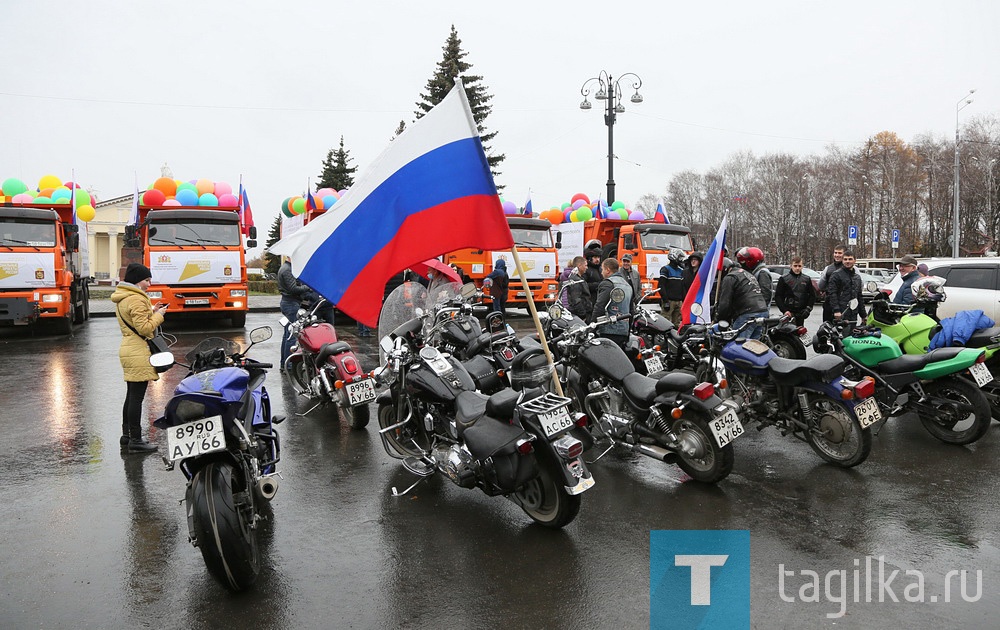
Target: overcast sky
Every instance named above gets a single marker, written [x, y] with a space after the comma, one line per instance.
[264, 89]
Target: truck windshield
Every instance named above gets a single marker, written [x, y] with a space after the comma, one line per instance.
[24, 232]
[665, 240]
[195, 232]
[524, 237]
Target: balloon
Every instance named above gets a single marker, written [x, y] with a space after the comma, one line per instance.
[46, 192]
[578, 204]
[228, 200]
[623, 213]
[298, 205]
[556, 218]
[13, 187]
[22, 198]
[204, 186]
[585, 214]
[566, 214]
[509, 207]
[323, 192]
[580, 197]
[64, 200]
[153, 197]
[565, 205]
[222, 188]
[287, 211]
[341, 193]
[171, 202]
[42, 199]
[186, 186]
[71, 185]
[61, 193]
[49, 181]
[82, 198]
[208, 199]
[637, 215]
[329, 200]
[85, 213]
[166, 186]
[187, 197]
[319, 203]
[618, 205]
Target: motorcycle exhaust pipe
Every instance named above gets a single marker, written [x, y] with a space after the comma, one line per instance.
[656, 452]
[267, 487]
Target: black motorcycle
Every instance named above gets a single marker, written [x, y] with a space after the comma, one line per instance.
[219, 431]
[512, 443]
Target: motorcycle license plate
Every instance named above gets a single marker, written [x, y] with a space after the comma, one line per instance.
[555, 421]
[195, 438]
[981, 373]
[199, 302]
[867, 412]
[726, 427]
[653, 364]
[360, 391]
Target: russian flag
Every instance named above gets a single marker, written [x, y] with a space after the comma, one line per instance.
[310, 201]
[133, 218]
[429, 193]
[701, 288]
[246, 215]
[661, 213]
[528, 212]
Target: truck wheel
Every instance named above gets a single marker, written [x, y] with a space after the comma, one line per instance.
[86, 302]
[79, 299]
[240, 319]
[609, 251]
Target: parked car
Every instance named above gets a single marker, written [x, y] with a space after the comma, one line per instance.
[779, 270]
[870, 286]
[971, 283]
[883, 275]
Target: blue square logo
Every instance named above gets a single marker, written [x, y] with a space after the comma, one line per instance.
[699, 579]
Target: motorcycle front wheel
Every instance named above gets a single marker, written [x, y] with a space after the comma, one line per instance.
[544, 498]
[962, 414]
[223, 527]
[710, 463]
[835, 433]
[404, 441]
[301, 373]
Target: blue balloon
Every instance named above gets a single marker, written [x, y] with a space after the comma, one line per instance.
[328, 201]
[187, 197]
[208, 199]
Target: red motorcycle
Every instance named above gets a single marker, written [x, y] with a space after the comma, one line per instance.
[323, 368]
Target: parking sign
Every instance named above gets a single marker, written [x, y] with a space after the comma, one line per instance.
[895, 239]
[852, 235]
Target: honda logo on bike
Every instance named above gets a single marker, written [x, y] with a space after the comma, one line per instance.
[699, 579]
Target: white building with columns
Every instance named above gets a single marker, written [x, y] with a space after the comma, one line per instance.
[106, 232]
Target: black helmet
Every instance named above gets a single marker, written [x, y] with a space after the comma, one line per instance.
[676, 255]
[727, 264]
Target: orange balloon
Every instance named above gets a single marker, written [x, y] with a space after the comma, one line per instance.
[46, 192]
[166, 186]
[204, 186]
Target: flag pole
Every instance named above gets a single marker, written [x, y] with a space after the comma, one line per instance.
[534, 316]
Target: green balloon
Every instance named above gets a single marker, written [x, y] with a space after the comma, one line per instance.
[585, 214]
[284, 206]
[285, 210]
[299, 206]
[565, 205]
[41, 199]
[13, 186]
[618, 205]
[187, 186]
[82, 198]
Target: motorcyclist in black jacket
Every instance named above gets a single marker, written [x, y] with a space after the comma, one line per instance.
[740, 299]
[795, 294]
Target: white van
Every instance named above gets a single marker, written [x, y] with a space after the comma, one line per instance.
[972, 283]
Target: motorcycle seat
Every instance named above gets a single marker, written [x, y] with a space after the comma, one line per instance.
[914, 362]
[501, 404]
[469, 408]
[982, 338]
[822, 367]
[676, 382]
[640, 388]
[490, 436]
[330, 349]
[476, 345]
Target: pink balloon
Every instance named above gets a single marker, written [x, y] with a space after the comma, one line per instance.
[323, 192]
[341, 193]
[228, 200]
[171, 202]
[22, 198]
[222, 188]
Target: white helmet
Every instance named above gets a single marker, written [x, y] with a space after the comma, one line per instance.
[928, 289]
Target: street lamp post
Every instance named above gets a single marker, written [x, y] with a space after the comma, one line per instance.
[609, 89]
[959, 106]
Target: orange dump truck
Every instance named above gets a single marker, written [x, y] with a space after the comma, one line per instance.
[536, 250]
[648, 242]
[197, 257]
[44, 266]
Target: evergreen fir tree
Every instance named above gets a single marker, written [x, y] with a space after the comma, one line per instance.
[337, 173]
[273, 236]
[399, 130]
[452, 65]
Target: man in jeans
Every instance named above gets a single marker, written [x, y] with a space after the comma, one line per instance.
[824, 280]
[292, 293]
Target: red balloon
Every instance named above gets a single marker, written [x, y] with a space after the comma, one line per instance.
[153, 197]
[582, 196]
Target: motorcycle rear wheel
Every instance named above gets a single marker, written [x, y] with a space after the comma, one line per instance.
[950, 392]
[788, 347]
[835, 433]
[223, 527]
[715, 463]
[544, 498]
[356, 417]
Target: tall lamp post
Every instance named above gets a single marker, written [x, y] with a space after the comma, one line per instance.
[959, 106]
[609, 89]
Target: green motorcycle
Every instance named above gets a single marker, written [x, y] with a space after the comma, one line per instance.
[932, 385]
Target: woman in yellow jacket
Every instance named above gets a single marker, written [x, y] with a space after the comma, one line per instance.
[133, 308]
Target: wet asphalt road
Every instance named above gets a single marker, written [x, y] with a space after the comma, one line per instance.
[96, 538]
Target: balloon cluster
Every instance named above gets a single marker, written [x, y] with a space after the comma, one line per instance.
[581, 208]
[196, 192]
[324, 199]
[50, 190]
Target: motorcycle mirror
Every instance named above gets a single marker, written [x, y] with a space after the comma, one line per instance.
[162, 361]
[468, 290]
[386, 344]
[871, 286]
[302, 313]
[257, 335]
[853, 304]
[283, 321]
[419, 312]
[555, 311]
[696, 309]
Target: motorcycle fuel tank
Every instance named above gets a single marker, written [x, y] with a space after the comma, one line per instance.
[231, 382]
[313, 337]
[870, 350]
[747, 356]
[606, 358]
[461, 332]
[439, 388]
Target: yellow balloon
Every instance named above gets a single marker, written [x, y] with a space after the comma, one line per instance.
[49, 181]
[86, 213]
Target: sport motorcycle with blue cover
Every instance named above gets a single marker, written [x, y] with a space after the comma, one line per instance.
[219, 432]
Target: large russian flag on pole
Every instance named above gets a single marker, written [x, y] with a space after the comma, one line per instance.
[701, 288]
[429, 193]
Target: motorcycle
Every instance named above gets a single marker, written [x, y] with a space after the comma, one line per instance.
[672, 418]
[326, 369]
[950, 407]
[784, 337]
[808, 399]
[516, 444]
[220, 433]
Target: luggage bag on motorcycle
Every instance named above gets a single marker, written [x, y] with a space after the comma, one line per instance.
[484, 374]
[494, 444]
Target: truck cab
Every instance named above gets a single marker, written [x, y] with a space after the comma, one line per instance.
[650, 244]
[44, 266]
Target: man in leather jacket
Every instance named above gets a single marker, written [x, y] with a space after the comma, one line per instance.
[605, 304]
[593, 275]
[824, 280]
[740, 300]
[845, 285]
[795, 294]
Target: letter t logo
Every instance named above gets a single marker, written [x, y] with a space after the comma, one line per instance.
[701, 575]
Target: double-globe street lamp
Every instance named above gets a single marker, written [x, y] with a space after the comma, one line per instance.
[609, 89]
[959, 106]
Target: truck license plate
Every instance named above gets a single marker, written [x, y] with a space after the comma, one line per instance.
[196, 302]
[726, 427]
[360, 392]
[195, 438]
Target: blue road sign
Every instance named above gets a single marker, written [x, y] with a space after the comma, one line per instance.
[852, 235]
[895, 236]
